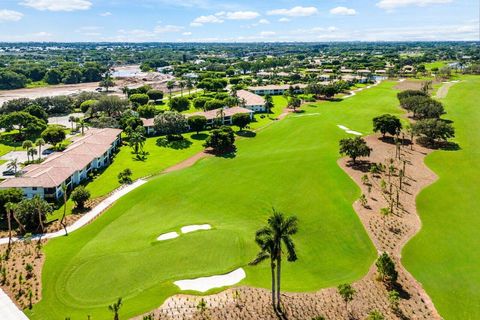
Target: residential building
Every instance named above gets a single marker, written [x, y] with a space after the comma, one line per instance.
[223, 115]
[94, 150]
[276, 89]
[251, 101]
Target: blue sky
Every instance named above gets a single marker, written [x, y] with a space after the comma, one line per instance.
[239, 21]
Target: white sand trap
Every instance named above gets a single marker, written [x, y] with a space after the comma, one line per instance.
[306, 115]
[195, 227]
[354, 132]
[207, 283]
[342, 127]
[167, 236]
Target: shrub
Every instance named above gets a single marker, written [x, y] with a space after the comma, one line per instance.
[139, 98]
[88, 104]
[221, 140]
[125, 176]
[80, 195]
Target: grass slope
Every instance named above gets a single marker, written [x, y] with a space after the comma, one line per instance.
[290, 165]
[445, 255]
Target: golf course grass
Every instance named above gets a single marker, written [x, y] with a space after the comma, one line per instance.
[290, 165]
[445, 255]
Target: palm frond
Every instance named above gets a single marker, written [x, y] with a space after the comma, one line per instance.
[262, 256]
[291, 252]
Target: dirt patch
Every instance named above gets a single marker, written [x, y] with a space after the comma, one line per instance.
[20, 274]
[411, 85]
[388, 233]
[443, 90]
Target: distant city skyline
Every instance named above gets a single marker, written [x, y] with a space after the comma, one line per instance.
[238, 21]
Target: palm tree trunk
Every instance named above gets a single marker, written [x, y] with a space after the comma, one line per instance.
[62, 222]
[39, 152]
[22, 228]
[9, 229]
[279, 267]
[40, 220]
[272, 265]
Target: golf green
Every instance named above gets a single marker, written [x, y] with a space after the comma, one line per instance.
[445, 255]
[291, 165]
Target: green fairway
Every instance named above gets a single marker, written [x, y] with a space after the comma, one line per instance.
[290, 165]
[445, 255]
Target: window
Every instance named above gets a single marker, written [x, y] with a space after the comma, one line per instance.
[34, 188]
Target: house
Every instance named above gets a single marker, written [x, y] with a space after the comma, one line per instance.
[251, 101]
[276, 89]
[149, 126]
[222, 115]
[408, 69]
[92, 151]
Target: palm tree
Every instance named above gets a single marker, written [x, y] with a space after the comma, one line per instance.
[170, 86]
[268, 103]
[71, 119]
[221, 115]
[82, 124]
[275, 235]
[39, 143]
[346, 292]
[13, 165]
[9, 207]
[266, 243]
[189, 85]
[27, 145]
[115, 308]
[62, 221]
[13, 208]
[182, 85]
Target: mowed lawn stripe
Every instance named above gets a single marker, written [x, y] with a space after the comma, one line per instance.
[445, 255]
[290, 165]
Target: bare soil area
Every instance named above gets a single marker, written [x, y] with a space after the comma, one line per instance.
[388, 233]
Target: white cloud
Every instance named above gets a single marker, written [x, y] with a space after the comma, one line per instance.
[294, 12]
[200, 21]
[344, 11]
[58, 5]
[10, 15]
[267, 33]
[188, 33]
[284, 20]
[167, 29]
[240, 15]
[42, 34]
[392, 4]
[106, 14]
[90, 31]
[263, 21]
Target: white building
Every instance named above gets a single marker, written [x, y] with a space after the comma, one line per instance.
[274, 90]
[251, 101]
[92, 151]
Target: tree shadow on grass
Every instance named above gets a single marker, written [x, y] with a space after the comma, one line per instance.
[140, 156]
[246, 134]
[439, 145]
[227, 154]
[199, 136]
[174, 144]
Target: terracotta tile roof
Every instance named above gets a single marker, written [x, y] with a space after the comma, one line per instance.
[278, 87]
[251, 99]
[148, 122]
[58, 167]
[213, 114]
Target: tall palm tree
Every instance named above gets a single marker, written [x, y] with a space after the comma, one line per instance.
[9, 207]
[27, 145]
[62, 221]
[170, 86]
[182, 85]
[82, 124]
[71, 119]
[189, 85]
[276, 235]
[268, 103]
[39, 143]
[115, 308]
[13, 165]
[266, 242]
[221, 115]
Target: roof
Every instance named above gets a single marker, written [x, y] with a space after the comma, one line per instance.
[148, 122]
[58, 167]
[278, 87]
[251, 99]
[364, 71]
[213, 114]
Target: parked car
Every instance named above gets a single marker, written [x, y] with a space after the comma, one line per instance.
[46, 152]
[8, 173]
[99, 89]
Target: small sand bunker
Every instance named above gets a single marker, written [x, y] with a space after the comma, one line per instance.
[206, 283]
[195, 227]
[167, 236]
[347, 130]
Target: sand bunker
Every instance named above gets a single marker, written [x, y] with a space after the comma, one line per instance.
[347, 130]
[167, 236]
[206, 283]
[195, 227]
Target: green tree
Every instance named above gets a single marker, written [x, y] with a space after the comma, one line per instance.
[32, 213]
[179, 104]
[386, 269]
[294, 103]
[387, 123]
[107, 82]
[268, 103]
[271, 239]
[241, 120]
[155, 95]
[65, 197]
[394, 300]
[80, 196]
[113, 106]
[221, 140]
[170, 86]
[375, 315]
[433, 130]
[54, 135]
[347, 292]
[115, 309]
[27, 145]
[137, 140]
[147, 111]
[197, 123]
[170, 123]
[139, 99]
[53, 76]
[199, 103]
[125, 176]
[354, 148]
